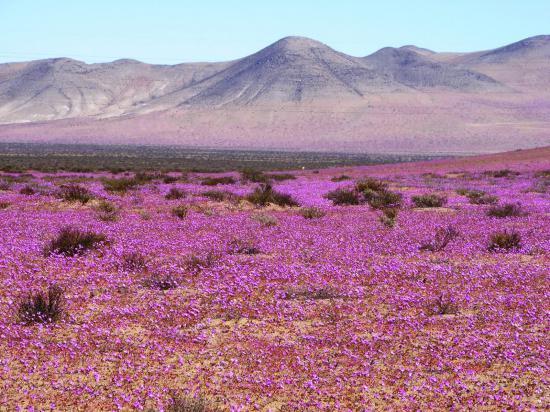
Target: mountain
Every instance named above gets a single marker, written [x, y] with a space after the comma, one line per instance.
[297, 93]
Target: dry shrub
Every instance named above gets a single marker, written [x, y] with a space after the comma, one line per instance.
[265, 194]
[106, 211]
[72, 241]
[75, 193]
[343, 197]
[134, 261]
[340, 178]
[388, 217]
[180, 211]
[506, 210]
[160, 282]
[265, 220]
[174, 194]
[41, 306]
[214, 181]
[311, 292]
[443, 236]
[504, 241]
[242, 247]
[442, 306]
[312, 212]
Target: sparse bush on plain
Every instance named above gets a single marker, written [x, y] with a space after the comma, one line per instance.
[340, 178]
[41, 306]
[214, 181]
[342, 196]
[4, 185]
[221, 196]
[106, 211]
[504, 240]
[180, 211]
[27, 190]
[429, 200]
[279, 177]
[506, 210]
[312, 212]
[311, 292]
[388, 217]
[443, 236]
[174, 193]
[196, 263]
[442, 306]
[134, 261]
[384, 199]
[371, 184]
[500, 173]
[265, 219]
[189, 404]
[120, 185]
[160, 282]
[242, 247]
[75, 193]
[265, 194]
[254, 176]
[4, 205]
[72, 241]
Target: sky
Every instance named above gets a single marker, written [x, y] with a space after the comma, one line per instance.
[169, 32]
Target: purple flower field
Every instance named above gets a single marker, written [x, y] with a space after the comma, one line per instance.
[226, 304]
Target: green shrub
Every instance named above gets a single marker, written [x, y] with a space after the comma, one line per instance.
[384, 199]
[429, 200]
[343, 196]
[120, 185]
[265, 194]
[504, 240]
[72, 241]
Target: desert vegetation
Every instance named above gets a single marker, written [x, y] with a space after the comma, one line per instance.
[153, 291]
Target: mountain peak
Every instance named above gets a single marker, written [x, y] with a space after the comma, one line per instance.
[297, 43]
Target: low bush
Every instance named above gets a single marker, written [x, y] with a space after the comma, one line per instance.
[500, 173]
[265, 194]
[384, 199]
[242, 247]
[4, 205]
[313, 292]
[221, 196]
[160, 282]
[188, 404]
[120, 185]
[106, 211]
[429, 200]
[214, 181]
[196, 263]
[174, 194]
[169, 179]
[312, 212]
[27, 190]
[5, 185]
[505, 210]
[442, 306]
[254, 176]
[134, 261]
[42, 306]
[342, 196]
[504, 240]
[279, 177]
[388, 217]
[371, 184]
[75, 193]
[180, 211]
[265, 219]
[71, 241]
[340, 178]
[443, 236]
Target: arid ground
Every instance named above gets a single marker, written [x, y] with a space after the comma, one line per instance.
[418, 286]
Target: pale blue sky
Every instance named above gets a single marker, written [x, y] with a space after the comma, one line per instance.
[180, 31]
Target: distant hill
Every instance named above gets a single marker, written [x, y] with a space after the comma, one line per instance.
[296, 93]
